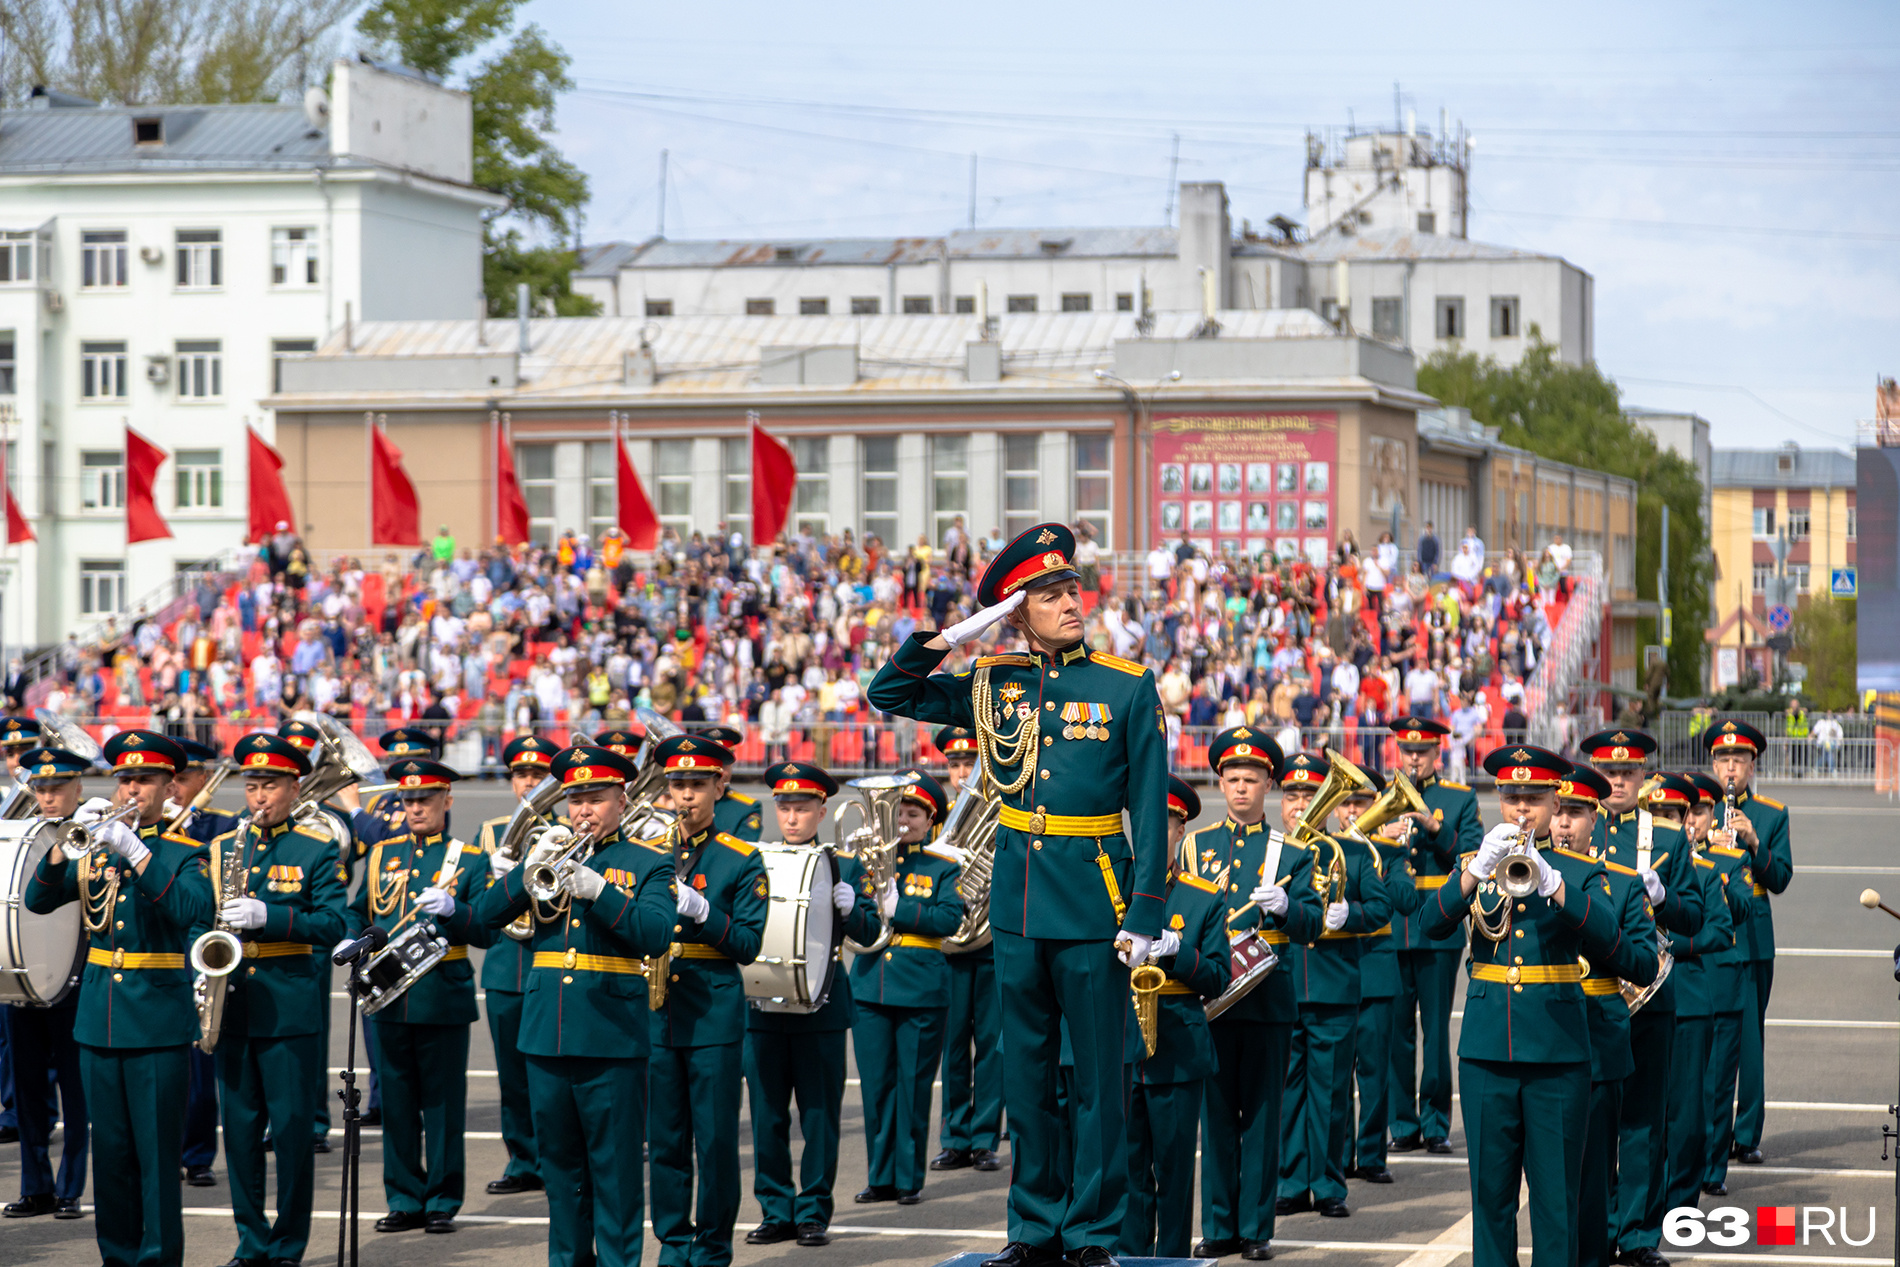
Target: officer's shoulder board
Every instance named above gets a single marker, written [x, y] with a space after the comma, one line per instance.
[1006, 658]
[1618, 867]
[1727, 851]
[1456, 787]
[743, 848]
[1704, 862]
[1771, 804]
[1116, 662]
[940, 856]
[179, 838]
[658, 844]
[1571, 853]
[1195, 882]
[468, 848]
[742, 798]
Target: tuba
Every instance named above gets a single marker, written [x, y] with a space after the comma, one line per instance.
[1636, 995]
[18, 800]
[339, 760]
[874, 843]
[1399, 797]
[646, 818]
[971, 827]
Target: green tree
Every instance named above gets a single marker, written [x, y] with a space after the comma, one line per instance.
[513, 91]
[1574, 414]
[1825, 639]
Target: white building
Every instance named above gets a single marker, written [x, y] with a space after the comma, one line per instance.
[157, 263]
[1408, 182]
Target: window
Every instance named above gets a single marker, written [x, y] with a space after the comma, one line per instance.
[7, 382]
[1853, 512]
[293, 257]
[1092, 504]
[534, 467]
[102, 258]
[673, 459]
[1504, 317]
[1797, 579]
[879, 462]
[102, 371]
[101, 587]
[735, 465]
[917, 305]
[760, 307]
[200, 369]
[1076, 303]
[1764, 577]
[1022, 482]
[1124, 301]
[282, 349]
[1022, 303]
[102, 480]
[149, 130]
[603, 510]
[1797, 522]
[965, 303]
[1428, 222]
[949, 482]
[811, 498]
[200, 256]
[1451, 317]
[16, 257]
[864, 306]
[1387, 316]
[1764, 526]
[200, 478]
[1329, 309]
[659, 307]
[813, 307]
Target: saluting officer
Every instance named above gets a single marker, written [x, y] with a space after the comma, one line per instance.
[43, 1045]
[1164, 1113]
[1317, 1122]
[1524, 1062]
[1731, 992]
[141, 894]
[505, 977]
[803, 1054]
[698, 1034]
[1266, 883]
[1625, 834]
[1759, 826]
[425, 875]
[1070, 739]
[203, 824]
[1428, 966]
[735, 813]
[585, 1027]
[972, 1047]
[902, 993]
[287, 907]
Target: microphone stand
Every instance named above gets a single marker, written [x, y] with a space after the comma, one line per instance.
[352, 1197]
[1889, 1134]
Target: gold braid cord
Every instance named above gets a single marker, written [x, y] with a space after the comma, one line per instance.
[97, 907]
[994, 749]
[1495, 923]
[385, 899]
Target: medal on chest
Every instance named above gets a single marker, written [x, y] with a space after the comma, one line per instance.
[1085, 721]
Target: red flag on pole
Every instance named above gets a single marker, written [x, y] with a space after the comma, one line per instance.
[511, 508]
[270, 500]
[142, 460]
[636, 515]
[395, 515]
[18, 531]
[774, 476]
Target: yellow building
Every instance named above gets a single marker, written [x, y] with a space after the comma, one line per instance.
[1805, 496]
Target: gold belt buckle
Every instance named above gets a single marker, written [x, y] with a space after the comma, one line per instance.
[1038, 821]
[250, 950]
[1583, 965]
[1512, 975]
[118, 958]
[573, 957]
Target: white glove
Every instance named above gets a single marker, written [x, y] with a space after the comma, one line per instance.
[434, 901]
[692, 904]
[1548, 878]
[172, 809]
[125, 842]
[94, 809]
[1497, 843]
[1336, 916]
[971, 629]
[1653, 885]
[1169, 944]
[887, 899]
[1270, 898]
[843, 897]
[243, 912]
[583, 883]
[552, 841]
[1136, 948]
[500, 864]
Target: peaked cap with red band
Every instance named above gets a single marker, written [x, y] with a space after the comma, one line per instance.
[719, 732]
[1734, 736]
[927, 792]
[1419, 732]
[1708, 791]
[692, 756]
[952, 740]
[1042, 555]
[301, 734]
[590, 767]
[625, 740]
[265, 755]
[420, 776]
[800, 778]
[1245, 745]
[133, 751]
[1526, 766]
[1670, 789]
[1626, 746]
[1583, 784]
[1303, 769]
[530, 750]
[1183, 799]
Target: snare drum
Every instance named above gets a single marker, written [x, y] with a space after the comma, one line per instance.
[1252, 957]
[41, 956]
[799, 951]
[399, 965]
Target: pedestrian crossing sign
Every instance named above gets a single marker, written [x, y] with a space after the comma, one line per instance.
[1846, 583]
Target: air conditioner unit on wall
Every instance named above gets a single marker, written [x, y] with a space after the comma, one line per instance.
[55, 302]
[158, 370]
[152, 254]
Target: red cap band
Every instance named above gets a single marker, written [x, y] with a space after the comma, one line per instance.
[1300, 774]
[795, 786]
[694, 761]
[1617, 752]
[532, 756]
[581, 775]
[302, 742]
[1031, 568]
[1577, 792]
[270, 763]
[1177, 806]
[1733, 739]
[136, 761]
[409, 782]
[1529, 776]
[962, 743]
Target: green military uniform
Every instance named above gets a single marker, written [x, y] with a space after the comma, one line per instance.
[1372, 1035]
[1074, 738]
[1771, 866]
[134, 1025]
[1165, 1110]
[1731, 988]
[902, 993]
[586, 1032]
[423, 1035]
[972, 1124]
[736, 814]
[1701, 988]
[505, 967]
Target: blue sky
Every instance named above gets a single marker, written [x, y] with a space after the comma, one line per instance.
[1728, 173]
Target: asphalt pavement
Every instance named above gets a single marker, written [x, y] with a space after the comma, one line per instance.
[1833, 1061]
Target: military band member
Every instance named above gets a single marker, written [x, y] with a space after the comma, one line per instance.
[1760, 827]
[625, 740]
[972, 1048]
[43, 1045]
[505, 967]
[798, 1054]
[1731, 990]
[1072, 738]
[141, 893]
[1524, 1062]
[735, 814]
[1428, 966]
[425, 875]
[382, 816]
[1164, 1112]
[203, 824]
[1572, 828]
[17, 735]
[1629, 837]
[585, 1027]
[1266, 884]
[698, 1059]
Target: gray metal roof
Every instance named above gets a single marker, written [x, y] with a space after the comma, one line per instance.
[1066, 244]
[1396, 244]
[607, 258]
[99, 139]
[1761, 468]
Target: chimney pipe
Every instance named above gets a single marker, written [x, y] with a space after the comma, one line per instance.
[521, 317]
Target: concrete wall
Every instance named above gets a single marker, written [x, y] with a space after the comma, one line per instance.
[402, 121]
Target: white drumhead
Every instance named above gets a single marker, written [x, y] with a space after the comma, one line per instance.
[793, 971]
[39, 954]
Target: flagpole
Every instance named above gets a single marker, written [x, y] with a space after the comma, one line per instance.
[613, 423]
[369, 483]
[494, 458]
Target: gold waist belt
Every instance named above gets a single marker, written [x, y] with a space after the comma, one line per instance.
[1600, 986]
[571, 960]
[276, 949]
[456, 952]
[916, 942]
[1340, 934]
[1761, 890]
[1377, 932]
[1040, 824]
[694, 950]
[1177, 987]
[1529, 974]
[133, 959]
[1430, 881]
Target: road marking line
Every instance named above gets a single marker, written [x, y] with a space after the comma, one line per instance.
[1831, 952]
[1444, 1247]
[1799, 1024]
[1809, 868]
[1738, 1169]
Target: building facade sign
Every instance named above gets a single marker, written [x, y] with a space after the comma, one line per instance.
[1247, 483]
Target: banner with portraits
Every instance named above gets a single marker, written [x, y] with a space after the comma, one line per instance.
[1247, 483]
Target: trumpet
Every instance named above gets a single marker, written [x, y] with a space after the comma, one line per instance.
[543, 878]
[1516, 872]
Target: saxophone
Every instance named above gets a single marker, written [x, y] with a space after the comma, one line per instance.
[217, 952]
[971, 827]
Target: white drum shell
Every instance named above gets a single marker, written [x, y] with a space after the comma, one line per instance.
[799, 951]
[41, 956]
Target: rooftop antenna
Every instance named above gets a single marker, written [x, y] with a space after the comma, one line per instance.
[1174, 167]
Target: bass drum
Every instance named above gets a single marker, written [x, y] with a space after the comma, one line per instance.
[799, 951]
[40, 955]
